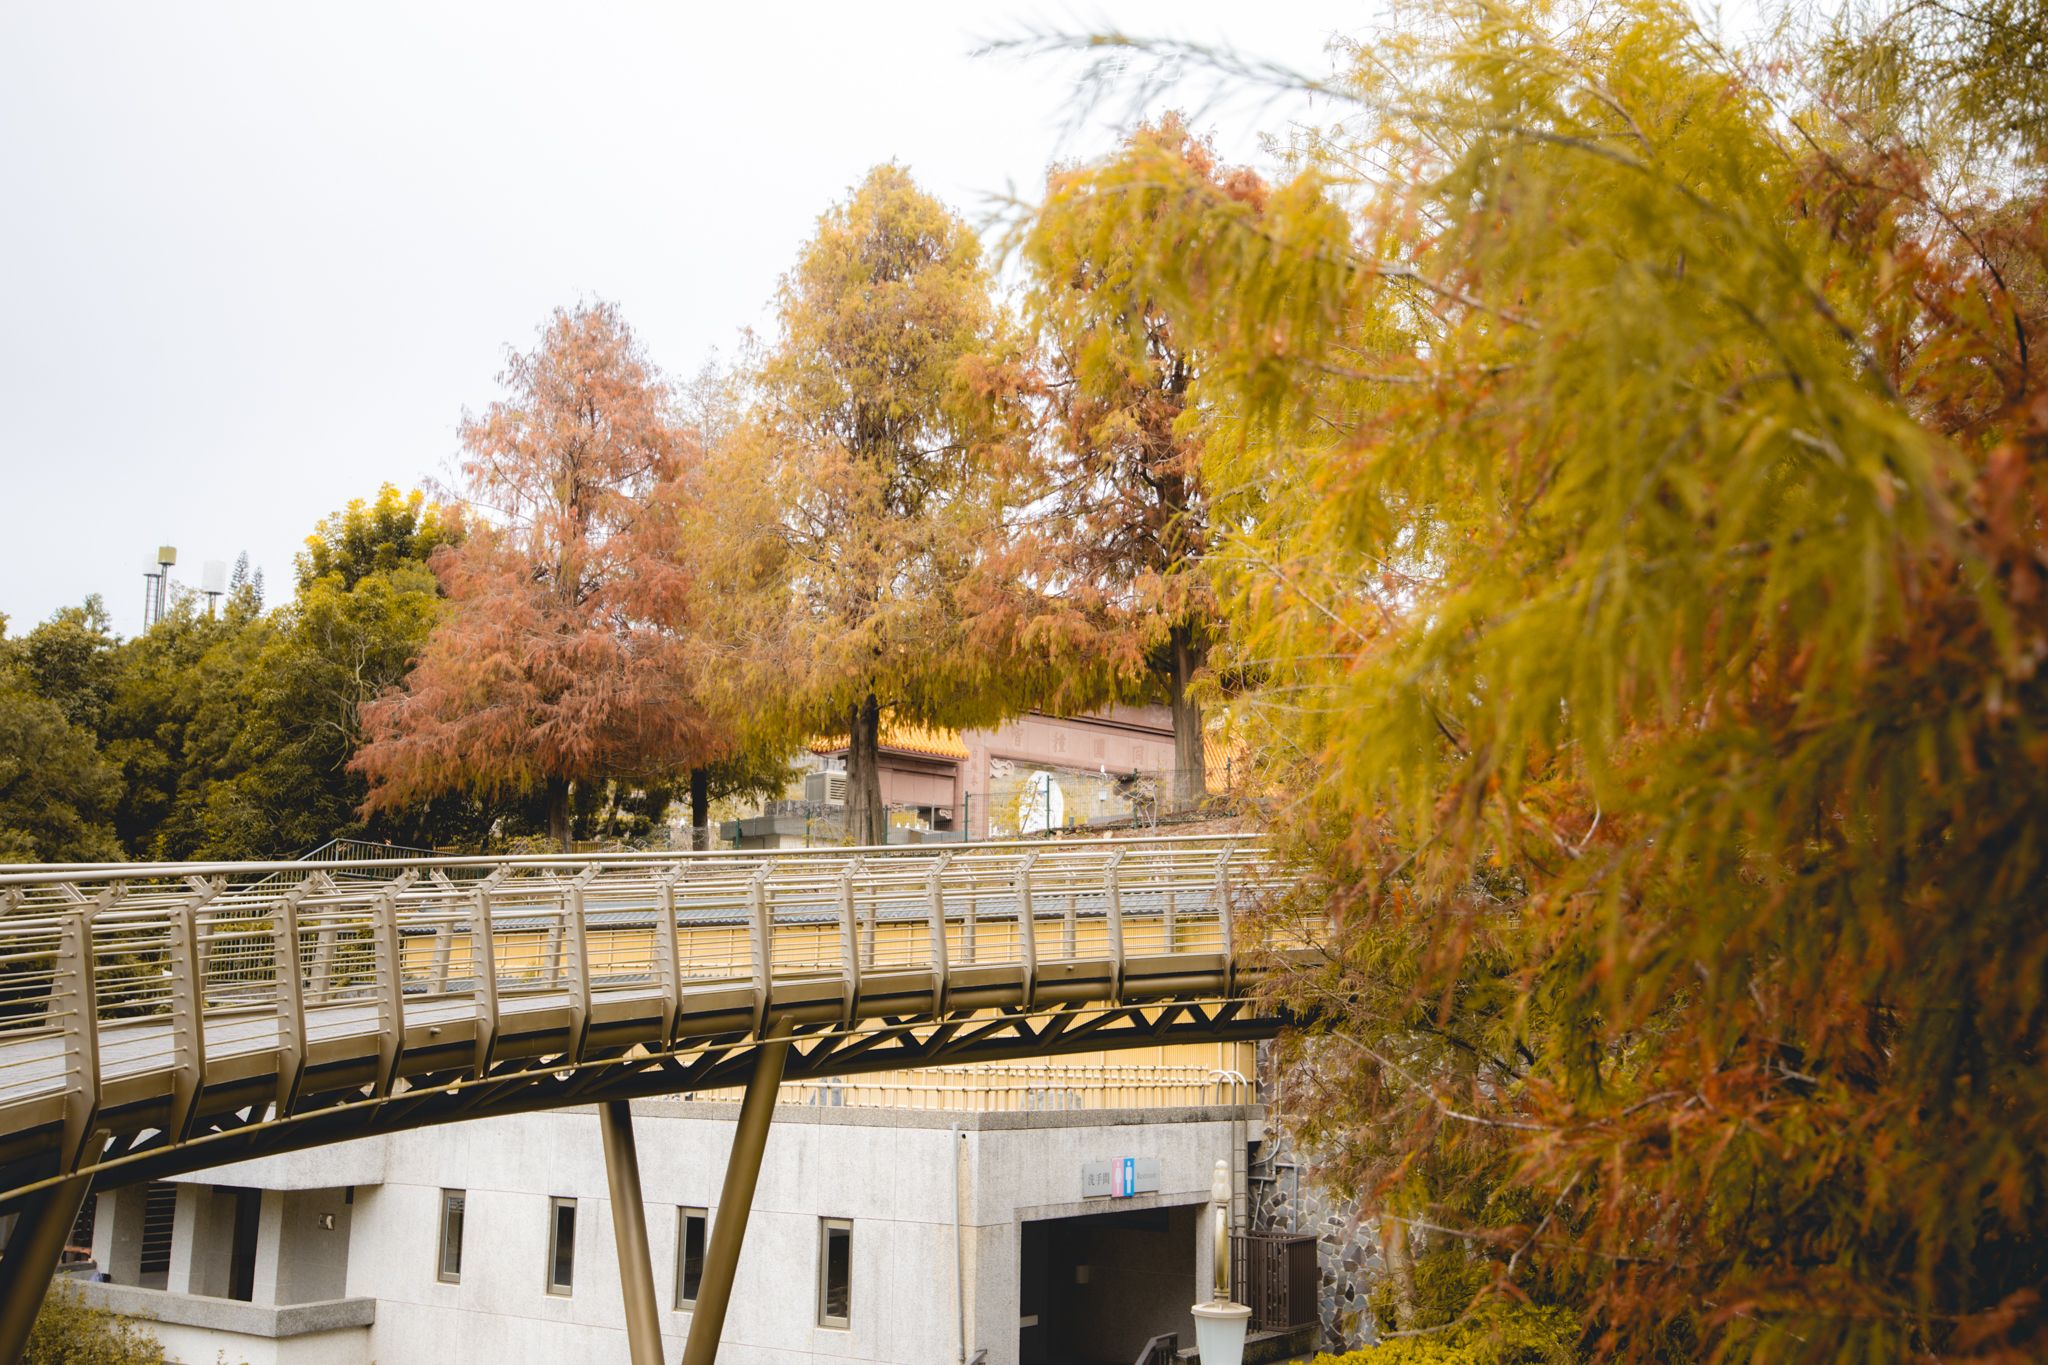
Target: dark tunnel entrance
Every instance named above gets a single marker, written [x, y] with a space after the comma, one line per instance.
[1094, 1289]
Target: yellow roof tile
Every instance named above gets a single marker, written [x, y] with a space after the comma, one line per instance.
[904, 739]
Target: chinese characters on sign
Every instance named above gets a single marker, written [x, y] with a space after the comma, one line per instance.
[1121, 1178]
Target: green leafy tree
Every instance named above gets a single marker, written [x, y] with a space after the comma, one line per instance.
[158, 685]
[69, 659]
[726, 527]
[1636, 473]
[213, 705]
[364, 606]
[336, 647]
[392, 531]
[233, 727]
[57, 794]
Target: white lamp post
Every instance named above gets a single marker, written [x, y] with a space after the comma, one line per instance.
[1220, 1324]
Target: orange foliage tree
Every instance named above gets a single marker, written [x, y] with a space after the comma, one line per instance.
[883, 440]
[1114, 550]
[564, 655]
[1633, 460]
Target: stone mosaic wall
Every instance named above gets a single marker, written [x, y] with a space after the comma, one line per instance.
[1285, 1197]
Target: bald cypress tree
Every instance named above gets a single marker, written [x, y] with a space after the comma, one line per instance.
[882, 427]
[559, 657]
[1633, 467]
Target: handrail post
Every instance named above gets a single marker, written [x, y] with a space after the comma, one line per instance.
[935, 906]
[188, 1022]
[75, 999]
[444, 951]
[291, 1002]
[444, 933]
[849, 943]
[761, 941]
[323, 953]
[1221, 897]
[736, 1197]
[867, 918]
[483, 972]
[967, 953]
[1113, 887]
[668, 959]
[1170, 916]
[390, 988]
[551, 947]
[579, 962]
[1027, 929]
[323, 941]
[203, 890]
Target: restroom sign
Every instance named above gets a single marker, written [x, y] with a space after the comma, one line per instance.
[1121, 1178]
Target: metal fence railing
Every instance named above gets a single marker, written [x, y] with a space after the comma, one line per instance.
[1275, 1275]
[85, 949]
[995, 1087]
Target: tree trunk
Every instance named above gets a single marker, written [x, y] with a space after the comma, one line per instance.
[1400, 1268]
[867, 820]
[558, 812]
[700, 809]
[1190, 772]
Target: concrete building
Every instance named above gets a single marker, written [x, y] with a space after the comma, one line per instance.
[886, 1234]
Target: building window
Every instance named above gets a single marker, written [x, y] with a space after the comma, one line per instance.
[835, 1271]
[561, 1246]
[159, 1216]
[691, 1227]
[452, 1202]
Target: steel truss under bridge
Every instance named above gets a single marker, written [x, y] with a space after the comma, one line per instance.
[160, 1019]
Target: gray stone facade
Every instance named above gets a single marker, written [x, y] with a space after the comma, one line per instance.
[1285, 1196]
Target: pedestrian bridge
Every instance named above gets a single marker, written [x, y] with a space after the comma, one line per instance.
[160, 1019]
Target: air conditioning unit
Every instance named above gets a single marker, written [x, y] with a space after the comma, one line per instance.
[826, 788]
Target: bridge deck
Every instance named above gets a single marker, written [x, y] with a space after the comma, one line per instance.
[194, 1011]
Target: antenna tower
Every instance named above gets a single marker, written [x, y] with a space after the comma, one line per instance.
[156, 586]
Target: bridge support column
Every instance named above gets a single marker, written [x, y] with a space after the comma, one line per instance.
[31, 1259]
[629, 1229]
[736, 1199]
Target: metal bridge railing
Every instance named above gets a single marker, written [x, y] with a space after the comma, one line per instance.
[157, 1018]
[88, 949]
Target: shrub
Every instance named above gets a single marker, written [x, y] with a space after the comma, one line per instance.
[1493, 1334]
[70, 1331]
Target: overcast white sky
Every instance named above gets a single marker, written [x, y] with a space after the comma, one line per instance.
[255, 259]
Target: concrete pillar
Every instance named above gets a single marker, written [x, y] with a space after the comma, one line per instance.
[187, 1222]
[117, 1235]
[202, 1242]
[270, 1237]
[103, 1232]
